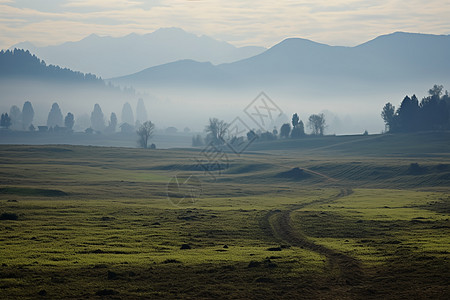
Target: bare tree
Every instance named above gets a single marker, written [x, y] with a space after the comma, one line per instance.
[317, 124]
[145, 132]
[216, 130]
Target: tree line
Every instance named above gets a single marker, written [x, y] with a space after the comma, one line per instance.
[21, 63]
[217, 131]
[431, 113]
[22, 120]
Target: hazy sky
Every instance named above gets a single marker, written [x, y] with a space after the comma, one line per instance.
[249, 22]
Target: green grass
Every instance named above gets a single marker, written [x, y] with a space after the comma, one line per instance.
[93, 219]
[402, 218]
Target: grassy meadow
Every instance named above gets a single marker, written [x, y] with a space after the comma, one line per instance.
[362, 217]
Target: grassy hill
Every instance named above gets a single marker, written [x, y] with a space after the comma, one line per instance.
[412, 144]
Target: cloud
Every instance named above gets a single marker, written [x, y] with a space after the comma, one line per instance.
[101, 3]
[250, 22]
[106, 4]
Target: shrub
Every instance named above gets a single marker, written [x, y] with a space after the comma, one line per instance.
[9, 216]
[185, 247]
[416, 169]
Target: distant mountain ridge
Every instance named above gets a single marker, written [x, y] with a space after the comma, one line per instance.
[304, 76]
[111, 57]
[22, 65]
[387, 60]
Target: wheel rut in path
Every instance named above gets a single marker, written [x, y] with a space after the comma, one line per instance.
[344, 269]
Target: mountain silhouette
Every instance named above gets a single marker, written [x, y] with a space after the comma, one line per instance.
[386, 60]
[111, 57]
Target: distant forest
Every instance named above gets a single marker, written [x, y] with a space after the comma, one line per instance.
[22, 64]
[431, 113]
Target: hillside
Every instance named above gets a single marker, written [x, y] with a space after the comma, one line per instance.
[428, 144]
[23, 76]
[177, 73]
[117, 56]
[22, 65]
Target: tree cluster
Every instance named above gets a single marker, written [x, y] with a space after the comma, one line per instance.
[431, 113]
[17, 119]
[22, 120]
[217, 131]
[316, 123]
[5, 121]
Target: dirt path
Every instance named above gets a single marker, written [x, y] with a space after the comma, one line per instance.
[343, 269]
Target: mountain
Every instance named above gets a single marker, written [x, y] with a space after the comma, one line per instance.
[23, 76]
[177, 73]
[111, 57]
[19, 64]
[410, 52]
[384, 61]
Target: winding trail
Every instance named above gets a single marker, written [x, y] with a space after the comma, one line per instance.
[343, 269]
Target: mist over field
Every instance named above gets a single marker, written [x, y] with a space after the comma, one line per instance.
[349, 85]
